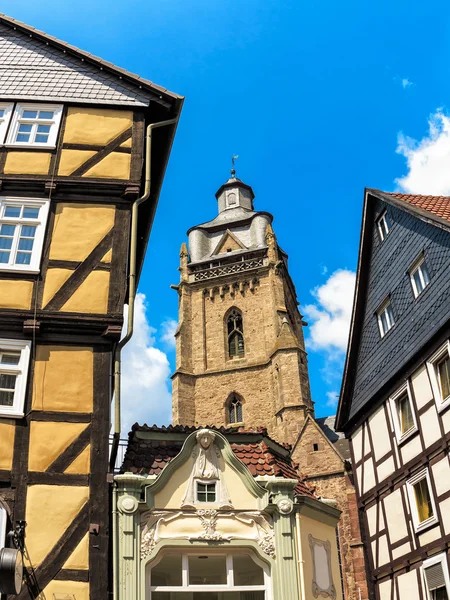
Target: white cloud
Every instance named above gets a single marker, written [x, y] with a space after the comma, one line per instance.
[331, 314]
[332, 399]
[145, 385]
[169, 327]
[406, 82]
[427, 159]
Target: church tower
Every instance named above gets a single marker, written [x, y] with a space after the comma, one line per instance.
[241, 356]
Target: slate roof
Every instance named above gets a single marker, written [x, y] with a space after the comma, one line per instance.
[38, 66]
[263, 456]
[439, 206]
[327, 425]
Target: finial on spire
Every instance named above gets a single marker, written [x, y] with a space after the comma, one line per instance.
[233, 160]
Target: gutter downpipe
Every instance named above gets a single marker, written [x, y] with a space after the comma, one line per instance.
[301, 562]
[129, 333]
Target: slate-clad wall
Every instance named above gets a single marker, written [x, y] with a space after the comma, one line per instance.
[416, 319]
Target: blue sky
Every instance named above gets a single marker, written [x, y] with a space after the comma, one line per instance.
[312, 96]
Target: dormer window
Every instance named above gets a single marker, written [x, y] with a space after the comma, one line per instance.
[383, 226]
[385, 317]
[35, 125]
[206, 491]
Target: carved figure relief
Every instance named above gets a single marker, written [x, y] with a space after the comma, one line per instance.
[322, 584]
[206, 468]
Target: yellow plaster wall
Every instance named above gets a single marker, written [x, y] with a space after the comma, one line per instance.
[72, 159]
[15, 294]
[63, 379]
[81, 464]
[54, 279]
[49, 440]
[126, 144]
[79, 559]
[78, 229]
[7, 432]
[31, 163]
[108, 257]
[115, 165]
[50, 509]
[95, 125]
[323, 532]
[66, 589]
[91, 296]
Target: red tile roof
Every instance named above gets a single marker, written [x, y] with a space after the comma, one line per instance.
[437, 205]
[262, 455]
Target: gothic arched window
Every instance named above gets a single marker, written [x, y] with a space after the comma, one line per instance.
[234, 410]
[235, 334]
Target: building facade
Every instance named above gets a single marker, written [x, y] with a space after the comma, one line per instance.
[208, 514]
[72, 130]
[396, 393]
[241, 356]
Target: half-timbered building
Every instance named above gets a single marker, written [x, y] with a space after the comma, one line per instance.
[394, 404]
[78, 137]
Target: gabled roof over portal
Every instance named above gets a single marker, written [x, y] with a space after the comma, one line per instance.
[432, 210]
[39, 67]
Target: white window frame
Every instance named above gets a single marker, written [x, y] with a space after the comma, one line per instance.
[228, 587]
[3, 519]
[21, 370]
[17, 120]
[4, 121]
[419, 527]
[434, 560]
[40, 224]
[205, 482]
[387, 302]
[417, 268]
[399, 436]
[382, 219]
[441, 403]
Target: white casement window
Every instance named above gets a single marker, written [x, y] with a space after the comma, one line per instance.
[22, 228]
[14, 363]
[435, 578]
[205, 574]
[439, 371]
[35, 125]
[385, 317]
[5, 117]
[3, 518]
[205, 491]
[383, 226]
[403, 413]
[419, 276]
[421, 501]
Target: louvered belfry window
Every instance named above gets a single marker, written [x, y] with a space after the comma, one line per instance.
[235, 410]
[235, 334]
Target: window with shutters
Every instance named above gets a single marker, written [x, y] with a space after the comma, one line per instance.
[421, 501]
[14, 362]
[439, 371]
[402, 412]
[235, 334]
[435, 578]
[234, 408]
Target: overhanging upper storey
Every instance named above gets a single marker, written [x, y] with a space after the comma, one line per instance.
[401, 295]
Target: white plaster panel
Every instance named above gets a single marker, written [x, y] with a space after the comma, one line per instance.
[383, 551]
[380, 433]
[369, 475]
[430, 535]
[445, 512]
[411, 448]
[357, 444]
[430, 426]
[403, 549]
[441, 475]
[421, 386]
[386, 468]
[446, 421]
[385, 590]
[395, 517]
[408, 586]
[372, 519]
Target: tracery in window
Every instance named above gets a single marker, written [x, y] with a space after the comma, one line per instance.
[235, 331]
[234, 410]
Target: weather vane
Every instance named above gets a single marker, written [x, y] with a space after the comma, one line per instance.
[233, 160]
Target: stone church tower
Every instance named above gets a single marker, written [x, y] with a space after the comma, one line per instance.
[241, 357]
[240, 350]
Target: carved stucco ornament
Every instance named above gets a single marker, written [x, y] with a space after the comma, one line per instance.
[128, 504]
[285, 506]
[322, 584]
